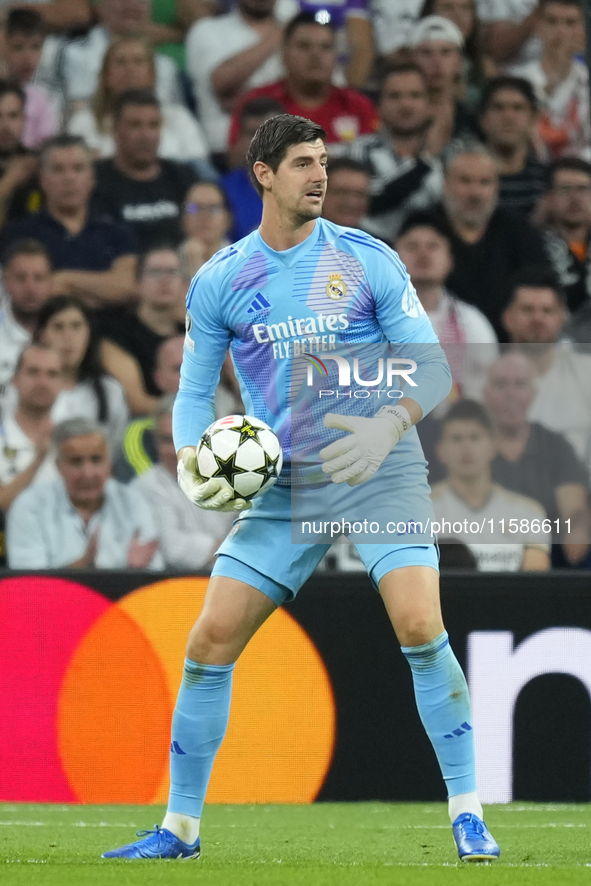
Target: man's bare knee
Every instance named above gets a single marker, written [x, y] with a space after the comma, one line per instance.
[416, 631]
[210, 638]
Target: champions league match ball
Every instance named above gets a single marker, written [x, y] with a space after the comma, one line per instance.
[243, 450]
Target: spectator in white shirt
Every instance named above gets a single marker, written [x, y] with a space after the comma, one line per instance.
[129, 63]
[25, 437]
[561, 81]
[26, 283]
[72, 66]
[65, 324]
[466, 335]
[232, 53]
[83, 519]
[188, 535]
[470, 508]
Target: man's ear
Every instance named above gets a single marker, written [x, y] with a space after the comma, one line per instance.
[263, 174]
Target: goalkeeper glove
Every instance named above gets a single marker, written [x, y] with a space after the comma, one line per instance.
[212, 495]
[356, 458]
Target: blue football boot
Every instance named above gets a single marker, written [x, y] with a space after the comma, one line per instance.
[473, 839]
[159, 843]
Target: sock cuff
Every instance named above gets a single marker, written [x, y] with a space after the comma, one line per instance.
[195, 672]
[427, 650]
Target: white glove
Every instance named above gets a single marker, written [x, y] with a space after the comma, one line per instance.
[212, 495]
[356, 458]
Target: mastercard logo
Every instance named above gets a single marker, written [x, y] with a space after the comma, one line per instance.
[87, 690]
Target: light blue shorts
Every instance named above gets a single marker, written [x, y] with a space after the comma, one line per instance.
[261, 552]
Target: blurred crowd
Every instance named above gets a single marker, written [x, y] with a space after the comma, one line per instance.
[459, 133]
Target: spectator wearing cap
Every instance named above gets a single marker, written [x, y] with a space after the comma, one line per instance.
[466, 335]
[561, 80]
[187, 536]
[136, 186]
[488, 243]
[404, 177]
[309, 56]
[565, 219]
[508, 119]
[84, 519]
[92, 257]
[232, 53]
[437, 48]
[26, 284]
[245, 202]
[347, 193]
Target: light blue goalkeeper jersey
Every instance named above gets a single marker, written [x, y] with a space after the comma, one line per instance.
[338, 288]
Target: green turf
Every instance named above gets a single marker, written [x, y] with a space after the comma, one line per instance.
[321, 845]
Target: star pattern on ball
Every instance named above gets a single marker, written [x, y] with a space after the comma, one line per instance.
[270, 468]
[228, 468]
[248, 432]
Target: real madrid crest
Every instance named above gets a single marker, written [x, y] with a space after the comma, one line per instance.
[336, 287]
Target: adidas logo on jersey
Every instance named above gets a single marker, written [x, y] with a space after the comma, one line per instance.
[259, 303]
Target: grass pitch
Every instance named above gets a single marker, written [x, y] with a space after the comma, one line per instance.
[320, 845]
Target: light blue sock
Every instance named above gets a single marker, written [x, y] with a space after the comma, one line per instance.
[443, 701]
[198, 726]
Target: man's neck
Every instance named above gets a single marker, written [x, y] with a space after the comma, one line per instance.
[407, 144]
[512, 439]
[475, 492]
[162, 321]
[88, 509]
[144, 173]
[32, 420]
[510, 159]
[468, 233]
[573, 233]
[309, 93]
[542, 358]
[429, 294]
[280, 233]
[26, 321]
[556, 64]
[73, 220]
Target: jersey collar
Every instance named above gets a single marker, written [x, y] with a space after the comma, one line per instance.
[289, 257]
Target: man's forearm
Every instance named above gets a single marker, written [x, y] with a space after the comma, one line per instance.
[106, 286]
[229, 78]
[504, 39]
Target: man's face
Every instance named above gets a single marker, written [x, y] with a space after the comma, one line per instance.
[466, 449]
[124, 16]
[404, 104]
[471, 189]
[309, 55]
[560, 26]
[509, 120]
[510, 390]
[426, 254]
[67, 178]
[441, 63]
[165, 444]
[39, 378]
[23, 52]
[85, 467]
[347, 197]
[137, 134]
[11, 123]
[569, 198]
[168, 365]
[535, 316]
[160, 284]
[27, 280]
[299, 185]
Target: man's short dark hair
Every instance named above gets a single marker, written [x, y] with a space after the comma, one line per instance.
[260, 107]
[517, 84]
[572, 164]
[28, 22]
[349, 164]
[422, 220]
[9, 87]
[136, 97]
[401, 68]
[38, 345]
[306, 18]
[58, 142]
[144, 256]
[273, 139]
[469, 410]
[535, 277]
[25, 247]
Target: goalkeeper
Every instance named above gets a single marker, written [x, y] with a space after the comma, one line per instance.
[300, 283]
